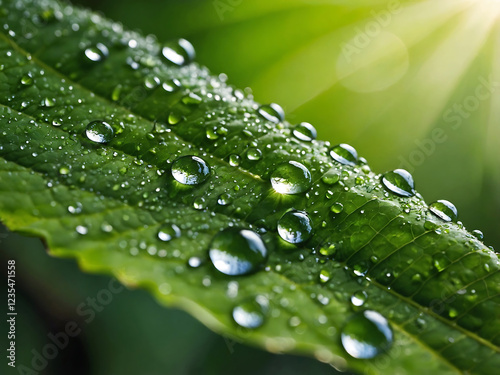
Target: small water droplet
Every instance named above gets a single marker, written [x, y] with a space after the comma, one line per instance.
[234, 160]
[478, 234]
[174, 117]
[291, 178]
[324, 276]
[366, 335]
[171, 85]
[330, 178]
[97, 53]
[194, 262]
[359, 298]
[168, 231]
[251, 313]
[151, 82]
[399, 182]
[190, 170]
[179, 53]
[344, 154]
[64, 170]
[305, 132]
[99, 132]
[80, 229]
[224, 199]
[199, 203]
[337, 208]
[295, 227]
[27, 79]
[272, 112]
[254, 154]
[48, 102]
[236, 251]
[444, 210]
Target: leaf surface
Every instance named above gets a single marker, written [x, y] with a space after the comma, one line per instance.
[107, 204]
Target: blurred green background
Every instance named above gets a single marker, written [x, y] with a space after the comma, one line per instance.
[412, 84]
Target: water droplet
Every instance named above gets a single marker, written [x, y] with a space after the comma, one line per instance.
[328, 250]
[295, 227]
[97, 53]
[80, 229]
[251, 313]
[366, 335]
[272, 112]
[359, 298]
[192, 99]
[190, 170]
[444, 210]
[337, 208]
[179, 53]
[151, 82]
[291, 178]
[199, 203]
[64, 170]
[27, 79]
[478, 234]
[344, 154]
[224, 199]
[99, 132]
[254, 153]
[168, 232]
[324, 276]
[236, 251]
[305, 132]
[399, 182]
[330, 178]
[171, 85]
[234, 160]
[194, 262]
[174, 117]
[48, 102]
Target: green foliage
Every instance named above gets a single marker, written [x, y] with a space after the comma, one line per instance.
[122, 154]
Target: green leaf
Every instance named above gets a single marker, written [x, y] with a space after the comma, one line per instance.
[177, 158]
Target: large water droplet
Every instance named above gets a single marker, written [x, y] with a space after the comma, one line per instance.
[366, 335]
[291, 178]
[97, 53]
[190, 170]
[179, 53]
[236, 251]
[272, 112]
[99, 132]
[168, 232]
[295, 227]
[399, 182]
[305, 132]
[344, 154]
[251, 313]
[444, 210]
